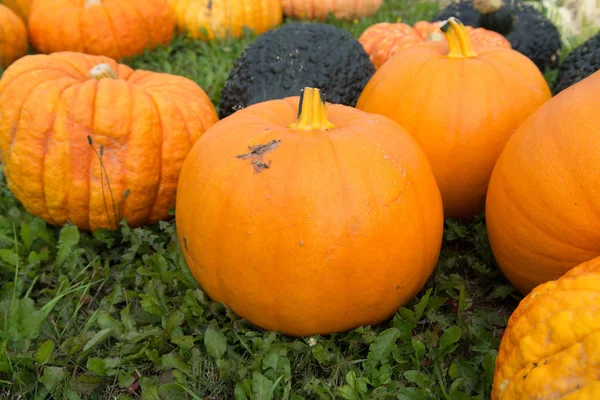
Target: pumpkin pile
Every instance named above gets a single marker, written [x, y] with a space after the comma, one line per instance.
[316, 203]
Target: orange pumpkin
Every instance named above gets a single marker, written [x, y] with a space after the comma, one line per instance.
[383, 40]
[86, 140]
[551, 346]
[111, 28]
[310, 225]
[210, 19]
[461, 105]
[13, 37]
[341, 9]
[544, 195]
[20, 7]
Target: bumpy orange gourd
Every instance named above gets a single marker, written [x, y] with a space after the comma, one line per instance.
[382, 40]
[210, 19]
[13, 37]
[86, 140]
[20, 7]
[551, 346]
[111, 28]
[342, 9]
[461, 105]
[542, 210]
[310, 225]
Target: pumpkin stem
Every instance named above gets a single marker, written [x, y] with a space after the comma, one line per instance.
[311, 111]
[459, 42]
[102, 71]
[89, 3]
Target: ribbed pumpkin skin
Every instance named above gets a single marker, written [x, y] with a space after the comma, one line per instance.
[384, 39]
[551, 346]
[114, 28]
[210, 19]
[461, 111]
[544, 195]
[13, 37]
[341, 229]
[147, 123]
[341, 9]
[20, 7]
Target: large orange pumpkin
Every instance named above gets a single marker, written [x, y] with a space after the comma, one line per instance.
[543, 201]
[86, 140]
[309, 226]
[20, 7]
[210, 19]
[551, 346]
[382, 40]
[111, 28]
[342, 9]
[461, 105]
[13, 37]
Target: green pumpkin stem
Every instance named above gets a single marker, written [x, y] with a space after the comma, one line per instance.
[459, 42]
[103, 71]
[311, 112]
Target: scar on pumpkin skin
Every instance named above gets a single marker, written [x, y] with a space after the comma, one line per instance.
[257, 153]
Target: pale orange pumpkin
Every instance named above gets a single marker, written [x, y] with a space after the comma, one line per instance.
[13, 37]
[309, 225]
[341, 9]
[551, 346]
[86, 140]
[461, 105]
[20, 7]
[111, 28]
[383, 40]
[210, 19]
[542, 210]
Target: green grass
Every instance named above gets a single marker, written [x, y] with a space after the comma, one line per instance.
[118, 315]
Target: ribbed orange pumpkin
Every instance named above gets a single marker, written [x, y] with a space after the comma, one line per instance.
[13, 37]
[461, 105]
[543, 203]
[86, 140]
[210, 19]
[551, 346]
[20, 7]
[111, 28]
[342, 9]
[382, 40]
[311, 226]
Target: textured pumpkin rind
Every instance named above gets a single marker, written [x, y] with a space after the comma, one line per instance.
[283, 61]
[533, 35]
[582, 62]
[115, 29]
[461, 111]
[146, 123]
[551, 345]
[20, 7]
[341, 9]
[543, 199]
[13, 37]
[322, 232]
[208, 20]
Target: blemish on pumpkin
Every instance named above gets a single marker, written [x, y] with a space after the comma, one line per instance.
[209, 6]
[534, 365]
[257, 153]
[397, 287]
[185, 244]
